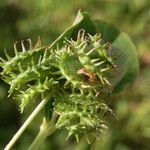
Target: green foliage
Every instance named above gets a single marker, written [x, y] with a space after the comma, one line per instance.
[79, 71]
[126, 57]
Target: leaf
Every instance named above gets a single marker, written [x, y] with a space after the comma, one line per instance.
[130, 61]
[82, 21]
[109, 32]
[124, 50]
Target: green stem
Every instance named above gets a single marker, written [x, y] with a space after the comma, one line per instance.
[26, 123]
[46, 129]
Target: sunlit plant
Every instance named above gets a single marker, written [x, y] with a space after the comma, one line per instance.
[74, 78]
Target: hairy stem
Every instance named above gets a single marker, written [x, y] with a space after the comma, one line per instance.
[26, 123]
[46, 129]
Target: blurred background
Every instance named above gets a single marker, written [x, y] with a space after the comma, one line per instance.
[22, 19]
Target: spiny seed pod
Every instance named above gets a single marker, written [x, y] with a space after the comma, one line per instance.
[81, 114]
[24, 57]
[86, 63]
[26, 66]
[33, 72]
[33, 91]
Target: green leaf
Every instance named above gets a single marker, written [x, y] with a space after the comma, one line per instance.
[129, 65]
[82, 21]
[126, 57]
[109, 32]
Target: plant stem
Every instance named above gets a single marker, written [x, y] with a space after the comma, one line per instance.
[26, 123]
[46, 129]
